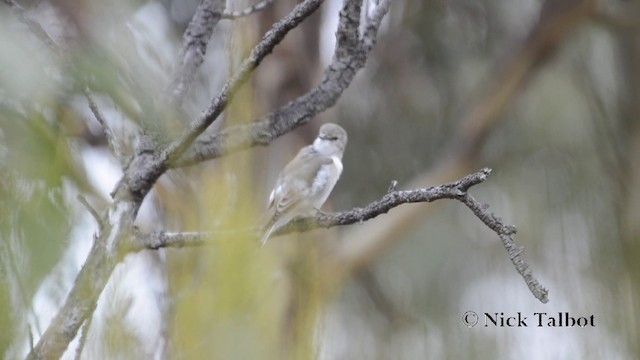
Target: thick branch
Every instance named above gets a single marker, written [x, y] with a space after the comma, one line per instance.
[349, 56]
[457, 190]
[81, 301]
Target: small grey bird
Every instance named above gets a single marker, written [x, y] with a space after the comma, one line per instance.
[306, 182]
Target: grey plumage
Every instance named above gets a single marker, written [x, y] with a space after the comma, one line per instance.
[306, 182]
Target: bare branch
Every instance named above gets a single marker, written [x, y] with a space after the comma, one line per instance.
[115, 148]
[194, 47]
[158, 240]
[506, 232]
[457, 190]
[35, 28]
[373, 24]
[248, 11]
[91, 210]
[83, 337]
[393, 186]
[349, 56]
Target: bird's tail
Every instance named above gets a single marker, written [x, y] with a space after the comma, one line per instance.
[269, 226]
[266, 235]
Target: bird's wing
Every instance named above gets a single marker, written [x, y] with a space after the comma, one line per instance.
[295, 181]
[293, 188]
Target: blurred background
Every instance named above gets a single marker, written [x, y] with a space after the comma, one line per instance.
[546, 93]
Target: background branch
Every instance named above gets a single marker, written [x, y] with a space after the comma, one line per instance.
[112, 142]
[194, 48]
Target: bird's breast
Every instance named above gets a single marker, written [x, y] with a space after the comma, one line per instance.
[325, 180]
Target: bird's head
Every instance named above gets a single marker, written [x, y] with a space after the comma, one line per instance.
[331, 140]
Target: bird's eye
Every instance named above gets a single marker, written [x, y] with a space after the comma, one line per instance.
[332, 138]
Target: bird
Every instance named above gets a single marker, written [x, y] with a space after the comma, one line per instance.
[305, 183]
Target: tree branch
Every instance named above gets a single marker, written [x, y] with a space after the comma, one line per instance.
[350, 55]
[457, 190]
[161, 239]
[116, 149]
[194, 48]
[91, 211]
[506, 232]
[35, 28]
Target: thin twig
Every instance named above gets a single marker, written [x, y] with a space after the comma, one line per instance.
[35, 28]
[91, 210]
[84, 332]
[506, 232]
[393, 186]
[30, 338]
[108, 133]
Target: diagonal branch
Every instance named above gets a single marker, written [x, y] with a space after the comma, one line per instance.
[350, 55]
[506, 232]
[457, 190]
[194, 48]
[112, 142]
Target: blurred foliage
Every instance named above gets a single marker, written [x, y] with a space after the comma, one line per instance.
[36, 165]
